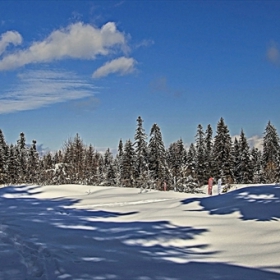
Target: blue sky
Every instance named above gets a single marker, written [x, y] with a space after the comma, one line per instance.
[92, 67]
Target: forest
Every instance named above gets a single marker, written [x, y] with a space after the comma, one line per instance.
[145, 160]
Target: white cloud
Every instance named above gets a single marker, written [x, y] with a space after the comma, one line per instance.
[41, 88]
[273, 53]
[122, 65]
[254, 141]
[10, 37]
[79, 40]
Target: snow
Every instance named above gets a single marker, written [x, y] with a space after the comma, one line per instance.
[91, 232]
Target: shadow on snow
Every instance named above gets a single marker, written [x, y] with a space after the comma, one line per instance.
[43, 240]
[259, 203]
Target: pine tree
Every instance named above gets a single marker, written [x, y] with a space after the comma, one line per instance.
[200, 159]
[3, 159]
[245, 167]
[47, 165]
[176, 159]
[128, 169]
[89, 170]
[13, 165]
[236, 160]
[33, 164]
[22, 154]
[157, 157]
[191, 161]
[209, 151]
[141, 153]
[222, 156]
[256, 159]
[120, 148]
[271, 151]
[110, 173]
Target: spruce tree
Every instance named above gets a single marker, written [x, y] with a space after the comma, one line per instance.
[222, 157]
[3, 159]
[22, 154]
[157, 157]
[33, 164]
[13, 165]
[256, 159]
[128, 169]
[191, 161]
[271, 151]
[176, 159]
[209, 151]
[200, 160]
[245, 168]
[236, 160]
[141, 153]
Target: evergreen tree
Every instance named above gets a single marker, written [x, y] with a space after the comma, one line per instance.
[128, 169]
[245, 167]
[236, 160]
[90, 170]
[256, 159]
[200, 160]
[120, 148]
[270, 153]
[157, 157]
[191, 161]
[209, 151]
[13, 165]
[33, 164]
[141, 153]
[110, 173]
[176, 159]
[222, 156]
[3, 159]
[22, 154]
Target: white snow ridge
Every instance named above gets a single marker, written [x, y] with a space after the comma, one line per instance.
[68, 232]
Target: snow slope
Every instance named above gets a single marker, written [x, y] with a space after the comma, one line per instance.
[89, 232]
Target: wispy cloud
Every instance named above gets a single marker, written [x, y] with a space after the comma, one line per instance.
[79, 41]
[160, 85]
[121, 65]
[7, 38]
[41, 88]
[273, 53]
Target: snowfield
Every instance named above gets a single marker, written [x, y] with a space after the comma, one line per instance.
[89, 232]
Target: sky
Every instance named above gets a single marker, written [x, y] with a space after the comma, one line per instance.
[93, 67]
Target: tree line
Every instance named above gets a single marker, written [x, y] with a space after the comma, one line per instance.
[146, 160]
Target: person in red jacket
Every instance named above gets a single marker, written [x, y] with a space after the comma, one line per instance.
[210, 185]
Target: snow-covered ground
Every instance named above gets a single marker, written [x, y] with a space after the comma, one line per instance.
[89, 232]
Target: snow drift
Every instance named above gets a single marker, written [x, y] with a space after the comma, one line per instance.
[89, 232]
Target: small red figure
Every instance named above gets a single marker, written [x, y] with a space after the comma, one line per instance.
[210, 185]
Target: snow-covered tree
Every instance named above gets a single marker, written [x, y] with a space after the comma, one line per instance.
[209, 151]
[128, 168]
[244, 168]
[3, 158]
[141, 152]
[200, 160]
[176, 159]
[222, 157]
[33, 165]
[191, 161]
[157, 157]
[256, 159]
[235, 159]
[271, 152]
[22, 154]
[13, 165]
